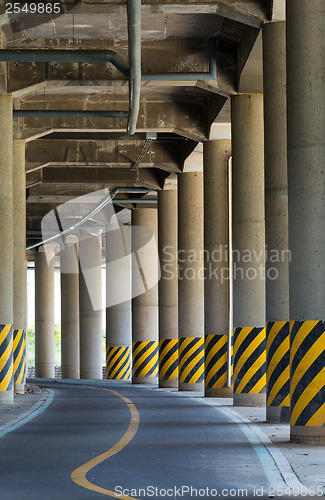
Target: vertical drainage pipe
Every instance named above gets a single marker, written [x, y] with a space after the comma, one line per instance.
[231, 301]
[134, 47]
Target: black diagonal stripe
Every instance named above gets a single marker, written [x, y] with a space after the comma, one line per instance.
[11, 383]
[138, 369]
[278, 370]
[213, 339]
[256, 377]
[120, 353]
[193, 343]
[167, 356]
[170, 370]
[19, 369]
[246, 342]
[193, 355]
[307, 378]
[121, 368]
[126, 361]
[282, 394]
[7, 366]
[142, 351]
[216, 358]
[18, 346]
[193, 371]
[312, 407]
[5, 344]
[217, 376]
[164, 344]
[294, 330]
[280, 337]
[308, 342]
[250, 361]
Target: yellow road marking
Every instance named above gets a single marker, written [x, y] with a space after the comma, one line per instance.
[78, 476]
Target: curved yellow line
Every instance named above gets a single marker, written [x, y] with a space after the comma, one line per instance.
[78, 476]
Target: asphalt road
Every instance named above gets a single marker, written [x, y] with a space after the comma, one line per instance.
[166, 445]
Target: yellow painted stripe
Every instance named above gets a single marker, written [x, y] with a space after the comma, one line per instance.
[303, 332]
[149, 365]
[19, 358]
[282, 379]
[286, 401]
[272, 334]
[318, 419]
[118, 366]
[316, 349]
[277, 356]
[17, 338]
[250, 349]
[251, 372]
[308, 394]
[168, 347]
[259, 386]
[167, 365]
[139, 348]
[6, 355]
[4, 333]
[215, 349]
[145, 355]
[241, 336]
[186, 370]
[78, 476]
[216, 367]
[195, 377]
[20, 378]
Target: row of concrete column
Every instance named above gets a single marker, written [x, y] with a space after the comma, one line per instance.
[13, 267]
[278, 204]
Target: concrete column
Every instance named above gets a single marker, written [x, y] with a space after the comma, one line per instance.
[276, 224]
[145, 296]
[70, 355]
[90, 303]
[216, 263]
[191, 281]
[306, 179]
[168, 287]
[44, 314]
[6, 254]
[248, 250]
[118, 302]
[19, 267]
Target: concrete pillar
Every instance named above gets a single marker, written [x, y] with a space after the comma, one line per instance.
[248, 250]
[90, 303]
[69, 268]
[118, 302]
[6, 254]
[191, 281]
[276, 224]
[19, 267]
[168, 287]
[306, 179]
[216, 264]
[144, 305]
[44, 314]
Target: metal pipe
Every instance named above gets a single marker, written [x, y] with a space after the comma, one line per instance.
[48, 113]
[22, 55]
[134, 47]
[231, 272]
[92, 213]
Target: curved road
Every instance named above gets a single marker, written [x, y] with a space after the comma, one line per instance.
[164, 444]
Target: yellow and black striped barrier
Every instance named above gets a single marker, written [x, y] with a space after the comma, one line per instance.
[118, 362]
[250, 360]
[307, 373]
[191, 360]
[278, 367]
[215, 361]
[20, 366]
[168, 359]
[145, 358]
[6, 363]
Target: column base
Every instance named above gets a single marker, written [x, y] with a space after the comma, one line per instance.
[6, 397]
[308, 435]
[168, 384]
[278, 414]
[191, 387]
[145, 380]
[19, 388]
[247, 399]
[223, 392]
[70, 374]
[44, 372]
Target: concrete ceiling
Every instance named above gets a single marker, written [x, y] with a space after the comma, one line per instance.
[68, 157]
